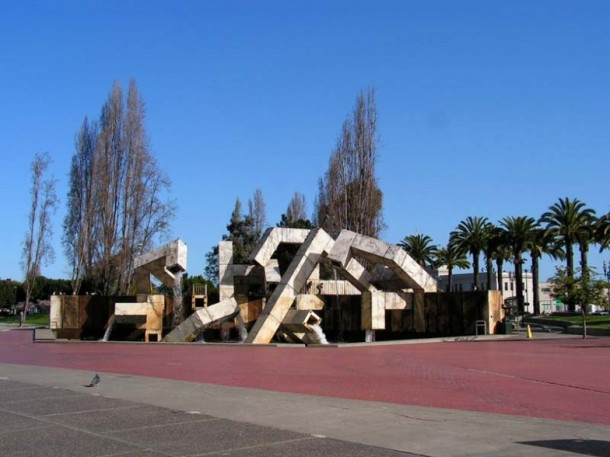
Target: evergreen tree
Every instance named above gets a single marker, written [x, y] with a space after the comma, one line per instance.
[241, 231]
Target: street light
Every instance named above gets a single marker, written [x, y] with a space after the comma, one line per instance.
[606, 268]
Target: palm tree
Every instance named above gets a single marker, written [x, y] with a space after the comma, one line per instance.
[493, 244]
[569, 221]
[451, 257]
[499, 251]
[470, 236]
[602, 232]
[543, 242]
[519, 232]
[585, 237]
[420, 248]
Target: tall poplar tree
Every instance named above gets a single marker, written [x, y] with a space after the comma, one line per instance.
[348, 195]
[118, 200]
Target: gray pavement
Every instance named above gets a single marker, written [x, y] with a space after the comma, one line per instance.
[50, 412]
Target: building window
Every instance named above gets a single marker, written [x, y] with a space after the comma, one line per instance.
[505, 286]
[460, 288]
[511, 286]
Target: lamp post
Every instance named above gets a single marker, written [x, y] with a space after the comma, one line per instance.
[527, 300]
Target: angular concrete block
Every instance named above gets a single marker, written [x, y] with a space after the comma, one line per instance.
[378, 251]
[55, 314]
[420, 278]
[225, 291]
[203, 318]
[307, 258]
[309, 301]
[378, 306]
[266, 247]
[272, 272]
[300, 320]
[293, 235]
[263, 330]
[164, 263]
[396, 254]
[372, 311]
[370, 248]
[357, 275]
[272, 238]
[282, 305]
[299, 276]
[341, 250]
[260, 245]
[130, 309]
[223, 310]
[186, 331]
[225, 253]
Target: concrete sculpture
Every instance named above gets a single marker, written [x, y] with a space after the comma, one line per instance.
[388, 290]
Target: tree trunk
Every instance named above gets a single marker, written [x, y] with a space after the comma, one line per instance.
[449, 279]
[490, 271]
[570, 274]
[499, 264]
[535, 282]
[475, 266]
[519, 281]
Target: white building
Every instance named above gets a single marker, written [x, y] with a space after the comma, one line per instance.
[462, 282]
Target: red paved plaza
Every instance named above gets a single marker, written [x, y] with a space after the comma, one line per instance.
[565, 379]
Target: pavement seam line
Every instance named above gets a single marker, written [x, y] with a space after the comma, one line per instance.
[80, 430]
[256, 446]
[99, 435]
[85, 411]
[212, 419]
[37, 400]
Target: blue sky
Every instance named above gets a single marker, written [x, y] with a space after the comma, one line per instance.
[486, 108]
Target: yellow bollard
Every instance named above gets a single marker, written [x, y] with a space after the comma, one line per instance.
[529, 332]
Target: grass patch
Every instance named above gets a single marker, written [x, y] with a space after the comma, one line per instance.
[31, 319]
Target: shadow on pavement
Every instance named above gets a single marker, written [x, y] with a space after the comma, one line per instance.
[595, 448]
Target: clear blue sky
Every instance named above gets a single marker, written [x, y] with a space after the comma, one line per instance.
[486, 108]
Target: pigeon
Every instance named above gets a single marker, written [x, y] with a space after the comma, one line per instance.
[94, 382]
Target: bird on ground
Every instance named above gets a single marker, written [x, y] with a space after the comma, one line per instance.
[94, 382]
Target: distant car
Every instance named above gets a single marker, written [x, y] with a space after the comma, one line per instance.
[604, 313]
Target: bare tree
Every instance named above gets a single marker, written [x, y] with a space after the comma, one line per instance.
[348, 195]
[78, 223]
[257, 211]
[126, 210]
[37, 249]
[297, 208]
